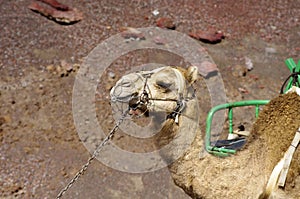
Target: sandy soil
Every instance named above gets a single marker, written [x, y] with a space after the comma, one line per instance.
[279, 121]
[40, 149]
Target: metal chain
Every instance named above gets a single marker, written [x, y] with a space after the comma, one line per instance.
[96, 152]
[144, 99]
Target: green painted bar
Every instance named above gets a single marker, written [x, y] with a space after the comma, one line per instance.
[293, 68]
[230, 118]
[256, 111]
[289, 85]
[290, 64]
[225, 152]
[221, 151]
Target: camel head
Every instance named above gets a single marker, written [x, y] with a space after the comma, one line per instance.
[164, 89]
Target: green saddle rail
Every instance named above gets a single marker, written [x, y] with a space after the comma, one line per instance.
[219, 151]
[292, 80]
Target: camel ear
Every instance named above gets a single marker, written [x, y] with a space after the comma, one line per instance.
[192, 74]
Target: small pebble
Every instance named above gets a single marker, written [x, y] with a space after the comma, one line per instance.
[155, 12]
[243, 90]
[248, 63]
[111, 75]
[159, 40]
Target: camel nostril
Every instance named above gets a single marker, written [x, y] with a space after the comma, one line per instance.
[137, 107]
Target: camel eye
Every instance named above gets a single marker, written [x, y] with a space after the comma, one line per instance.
[164, 85]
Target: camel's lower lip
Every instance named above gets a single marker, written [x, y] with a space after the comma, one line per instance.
[134, 112]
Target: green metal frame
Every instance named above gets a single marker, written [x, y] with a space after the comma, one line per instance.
[293, 69]
[222, 152]
[291, 81]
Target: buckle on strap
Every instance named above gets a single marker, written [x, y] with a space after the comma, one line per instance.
[180, 106]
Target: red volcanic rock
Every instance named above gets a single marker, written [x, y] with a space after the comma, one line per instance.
[206, 68]
[208, 36]
[56, 4]
[57, 12]
[165, 22]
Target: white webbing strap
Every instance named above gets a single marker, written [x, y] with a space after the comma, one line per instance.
[281, 169]
[288, 159]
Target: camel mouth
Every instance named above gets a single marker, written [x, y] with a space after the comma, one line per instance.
[137, 107]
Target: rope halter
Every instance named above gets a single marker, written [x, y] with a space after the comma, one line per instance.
[143, 101]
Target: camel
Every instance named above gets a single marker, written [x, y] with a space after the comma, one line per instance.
[169, 89]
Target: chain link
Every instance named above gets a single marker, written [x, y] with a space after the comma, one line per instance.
[96, 152]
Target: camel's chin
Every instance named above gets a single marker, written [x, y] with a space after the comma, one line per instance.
[138, 113]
